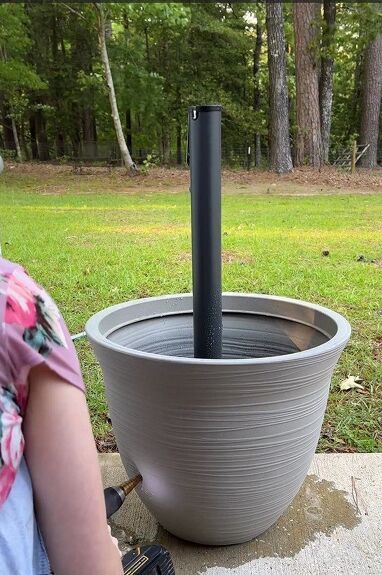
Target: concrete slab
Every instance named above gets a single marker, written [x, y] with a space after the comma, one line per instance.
[333, 527]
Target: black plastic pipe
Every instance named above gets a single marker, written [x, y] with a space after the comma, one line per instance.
[204, 148]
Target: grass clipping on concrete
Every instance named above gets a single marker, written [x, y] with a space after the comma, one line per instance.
[99, 239]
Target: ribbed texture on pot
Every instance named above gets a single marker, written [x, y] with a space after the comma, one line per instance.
[223, 447]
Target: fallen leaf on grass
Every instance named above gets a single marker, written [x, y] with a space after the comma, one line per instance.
[351, 382]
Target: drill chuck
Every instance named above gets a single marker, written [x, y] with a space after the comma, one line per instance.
[115, 496]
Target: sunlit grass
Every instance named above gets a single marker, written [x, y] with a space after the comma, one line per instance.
[91, 247]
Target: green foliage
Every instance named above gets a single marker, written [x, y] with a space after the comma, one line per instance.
[164, 58]
[13, 27]
[18, 78]
[151, 161]
[16, 75]
[8, 154]
[357, 24]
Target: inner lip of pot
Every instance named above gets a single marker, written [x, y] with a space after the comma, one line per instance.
[245, 335]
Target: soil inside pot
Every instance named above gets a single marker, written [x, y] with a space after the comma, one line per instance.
[245, 335]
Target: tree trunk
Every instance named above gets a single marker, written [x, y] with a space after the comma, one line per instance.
[257, 150]
[9, 141]
[32, 130]
[165, 145]
[147, 48]
[326, 78]
[308, 144]
[178, 114]
[256, 67]
[139, 132]
[23, 143]
[356, 97]
[128, 114]
[280, 158]
[89, 132]
[75, 128]
[179, 143]
[126, 157]
[371, 101]
[55, 85]
[256, 88]
[42, 140]
[16, 139]
[129, 135]
[60, 144]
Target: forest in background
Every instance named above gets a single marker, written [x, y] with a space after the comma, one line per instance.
[298, 82]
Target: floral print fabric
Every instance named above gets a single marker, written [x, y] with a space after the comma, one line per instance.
[32, 331]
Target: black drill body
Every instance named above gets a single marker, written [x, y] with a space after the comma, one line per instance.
[147, 560]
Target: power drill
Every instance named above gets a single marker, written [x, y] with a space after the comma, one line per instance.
[148, 559]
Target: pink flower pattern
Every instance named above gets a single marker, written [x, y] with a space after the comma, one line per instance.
[11, 440]
[37, 329]
[20, 303]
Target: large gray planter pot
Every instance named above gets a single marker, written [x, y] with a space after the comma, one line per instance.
[223, 445]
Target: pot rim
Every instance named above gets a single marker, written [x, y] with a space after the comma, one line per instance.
[338, 340]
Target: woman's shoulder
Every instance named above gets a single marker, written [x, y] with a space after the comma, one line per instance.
[32, 332]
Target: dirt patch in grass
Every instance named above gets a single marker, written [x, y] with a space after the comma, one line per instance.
[329, 177]
[377, 349]
[107, 443]
[301, 181]
[228, 257]
[231, 257]
[81, 241]
[151, 231]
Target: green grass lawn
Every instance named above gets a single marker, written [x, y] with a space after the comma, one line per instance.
[92, 247]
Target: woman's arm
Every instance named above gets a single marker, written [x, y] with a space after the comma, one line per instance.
[63, 464]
